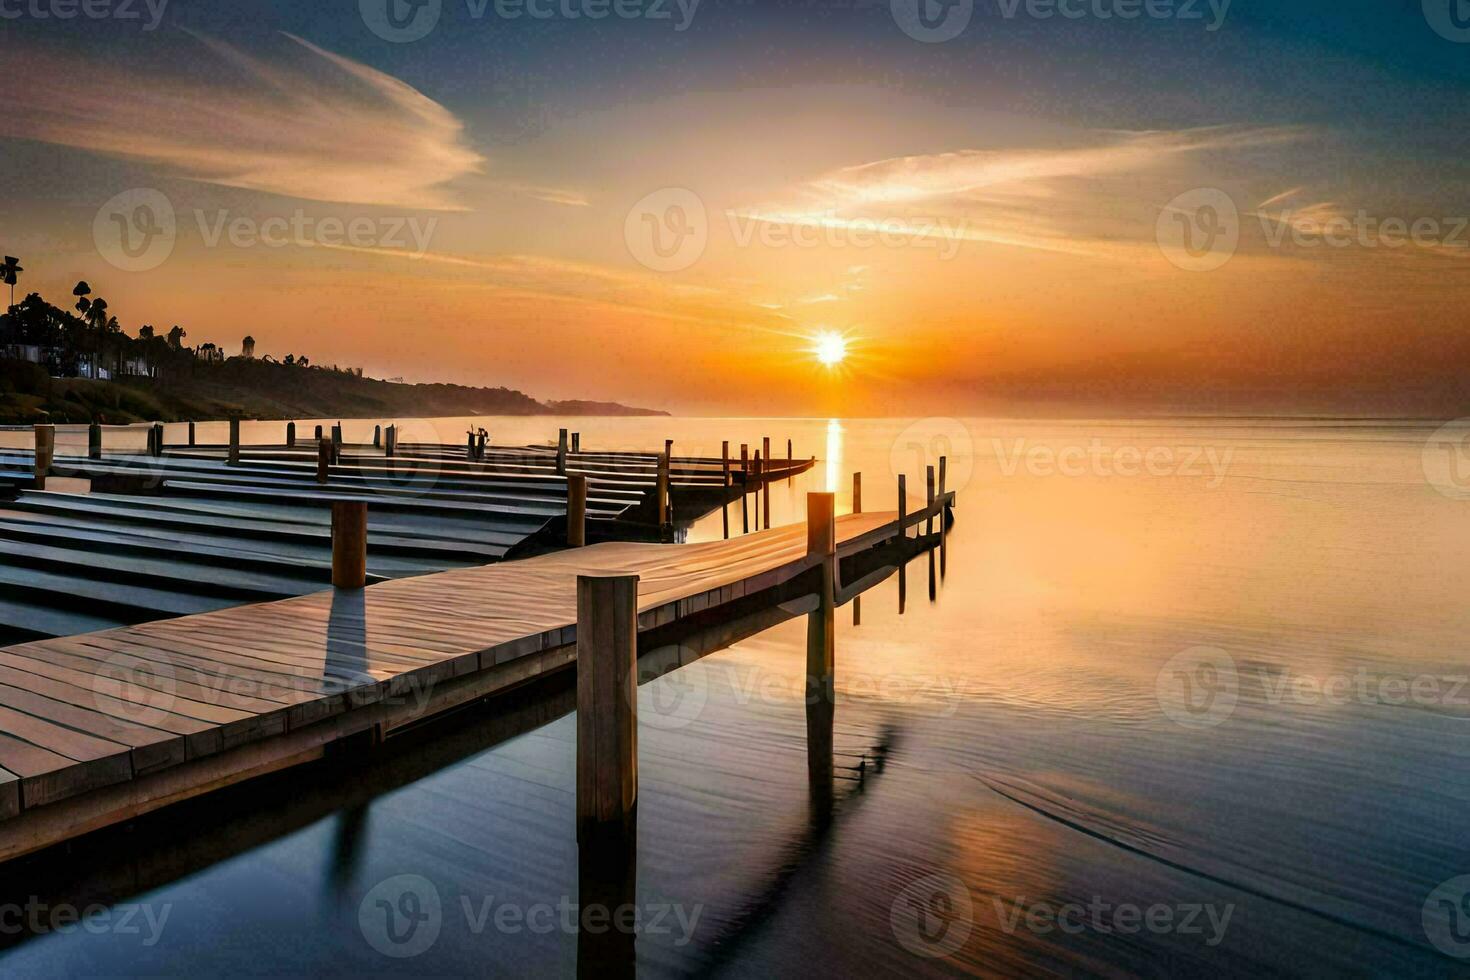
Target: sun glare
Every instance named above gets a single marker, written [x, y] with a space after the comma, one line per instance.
[830, 348]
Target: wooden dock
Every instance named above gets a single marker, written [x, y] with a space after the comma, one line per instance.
[99, 728]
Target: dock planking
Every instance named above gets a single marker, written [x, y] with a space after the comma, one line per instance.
[109, 724]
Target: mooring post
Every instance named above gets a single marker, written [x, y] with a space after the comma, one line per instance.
[576, 510]
[94, 441]
[725, 474]
[857, 508]
[929, 499]
[662, 490]
[337, 443]
[234, 452]
[669, 450]
[158, 427]
[349, 544]
[903, 559]
[290, 435]
[821, 544]
[576, 442]
[756, 471]
[377, 437]
[483, 444]
[323, 461]
[469, 446]
[193, 441]
[318, 433]
[390, 441]
[766, 495]
[45, 453]
[607, 702]
[744, 488]
[943, 506]
[561, 452]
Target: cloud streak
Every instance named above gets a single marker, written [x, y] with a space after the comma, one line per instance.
[320, 127]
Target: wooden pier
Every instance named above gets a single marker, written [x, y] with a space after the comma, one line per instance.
[99, 728]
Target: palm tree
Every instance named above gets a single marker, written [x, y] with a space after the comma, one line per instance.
[96, 317]
[8, 273]
[176, 337]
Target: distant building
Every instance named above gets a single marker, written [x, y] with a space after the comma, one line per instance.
[247, 347]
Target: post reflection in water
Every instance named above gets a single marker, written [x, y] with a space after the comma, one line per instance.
[833, 455]
[607, 896]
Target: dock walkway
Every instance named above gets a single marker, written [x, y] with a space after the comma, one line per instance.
[101, 727]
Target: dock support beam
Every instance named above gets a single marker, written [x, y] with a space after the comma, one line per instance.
[725, 473]
[607, 703]
[158, 438]
[193, 437]
[45, 453]
[821, 543]
[349, 544]
[290, 435]
[390, 441]
[234, 456]
[576, 442]
[903, 562]
[561, 453]
[323, 462]
[757, 472]
[766, 495]
[857, 508]
[94, 441]
[744, 488]
[662, 490]
[576, 511]
[377, 437]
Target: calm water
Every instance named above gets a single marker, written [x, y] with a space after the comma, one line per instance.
[1190, 699]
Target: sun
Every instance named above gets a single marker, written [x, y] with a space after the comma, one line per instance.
[830, 347]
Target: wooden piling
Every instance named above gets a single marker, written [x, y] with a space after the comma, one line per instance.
[157, 442]
[318, 433]
[576, 511]
[94, 441]
[725, 473]
[576, 442]
[390, 441]
[790, 460]
[857, 508]
[193, 438]
[744, 488]
[323, 461]
[290, 435]
[349, 544]
[943, 534]
[766, 488]
[903, 504]
[903, 562]
[561, 452]
[607, 702]
[821, 544]
[662, 489]
[337, 443]
[756, 472]
[45, 453]
[929, 499]
[377, 437]
[234, 452]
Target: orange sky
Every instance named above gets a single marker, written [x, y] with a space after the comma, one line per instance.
[977, 260]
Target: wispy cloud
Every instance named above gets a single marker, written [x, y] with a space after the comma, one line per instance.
[320, 127]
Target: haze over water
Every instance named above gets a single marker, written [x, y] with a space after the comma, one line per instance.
[1212, 667]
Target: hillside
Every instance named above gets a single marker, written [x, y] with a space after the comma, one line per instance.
[262, 390]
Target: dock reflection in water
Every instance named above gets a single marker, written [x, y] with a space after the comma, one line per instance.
[1005, 752]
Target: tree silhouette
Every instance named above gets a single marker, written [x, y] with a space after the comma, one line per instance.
[9, 273]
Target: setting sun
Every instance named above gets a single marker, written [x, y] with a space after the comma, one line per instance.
[830, 348]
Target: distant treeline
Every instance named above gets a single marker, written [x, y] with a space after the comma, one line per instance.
[51, 361]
